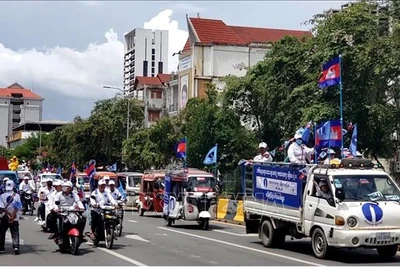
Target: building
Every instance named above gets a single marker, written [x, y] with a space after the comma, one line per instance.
[31, 128]
[215, 50]
[17, 106]
[146, 54]
[152, 92]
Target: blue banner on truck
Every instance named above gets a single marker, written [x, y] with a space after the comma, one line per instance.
[280, 185]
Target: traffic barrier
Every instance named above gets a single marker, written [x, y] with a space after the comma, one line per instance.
[230, 211]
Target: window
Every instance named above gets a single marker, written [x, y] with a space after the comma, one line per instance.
[153, 51]
[367, 187]
[145, 68]
[160, 67]
[156, 94]
[153, 57]
[154, 116]
[153, 64]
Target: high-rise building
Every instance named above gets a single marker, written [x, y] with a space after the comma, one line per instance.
[18, 105]
[146, 54]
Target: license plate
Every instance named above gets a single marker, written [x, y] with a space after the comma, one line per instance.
[383, 237]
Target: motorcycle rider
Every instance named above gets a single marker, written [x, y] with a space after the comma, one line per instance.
[52, 217]
[24, 188]
[102, 198]
[68, 198]
[113, 192]
[3, 185]
[10, 204]
[44, 193]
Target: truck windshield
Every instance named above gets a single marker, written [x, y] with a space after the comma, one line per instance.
[367, 187]
[52, 176]
[201, 182]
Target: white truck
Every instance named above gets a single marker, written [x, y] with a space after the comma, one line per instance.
[362, 211]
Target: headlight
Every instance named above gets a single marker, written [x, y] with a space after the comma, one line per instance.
[73, 218]
[351, 222]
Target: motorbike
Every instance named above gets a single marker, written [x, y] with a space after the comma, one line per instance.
[29, 198]
[106, 229]
[120, 217]
[70, 236]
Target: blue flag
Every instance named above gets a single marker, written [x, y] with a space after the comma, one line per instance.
[112, 168]
[211, 157]
[121, 190]
[353, 143]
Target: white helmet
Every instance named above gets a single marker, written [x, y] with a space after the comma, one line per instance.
[67, 184]
[106, 177]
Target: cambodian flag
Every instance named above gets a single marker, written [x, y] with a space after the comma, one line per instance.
[90, 170]
[330, 74]
[329, 134]
[181, 149]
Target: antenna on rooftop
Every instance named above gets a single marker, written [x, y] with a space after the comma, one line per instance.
[198, 15]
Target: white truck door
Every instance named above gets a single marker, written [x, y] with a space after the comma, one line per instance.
[318, 210]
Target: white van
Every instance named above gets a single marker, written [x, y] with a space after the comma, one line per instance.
[131, 182]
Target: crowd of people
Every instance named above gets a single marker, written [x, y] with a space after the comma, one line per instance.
[53, 195]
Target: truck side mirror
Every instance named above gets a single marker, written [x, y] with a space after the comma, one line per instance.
[339, 194]
[57, 202]
[185, 184]
[220, 184]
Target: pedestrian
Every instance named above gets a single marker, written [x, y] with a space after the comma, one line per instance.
[10, 206]
[264, 155]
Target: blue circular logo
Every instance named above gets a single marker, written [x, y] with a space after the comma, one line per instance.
[372, 213]
[265, 183]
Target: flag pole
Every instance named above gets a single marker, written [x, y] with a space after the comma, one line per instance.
[216, 160]
[185, 162]
[315, 143]
[341, 104]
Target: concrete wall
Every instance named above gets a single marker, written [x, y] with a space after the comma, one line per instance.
[4, 121]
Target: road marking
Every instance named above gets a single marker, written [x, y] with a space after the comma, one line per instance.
[136, 237]
[122, 257]
[244, 247]
[161, 234]
[229, 233]
[132, 221]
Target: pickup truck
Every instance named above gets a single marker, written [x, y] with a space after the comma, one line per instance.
[362, 210]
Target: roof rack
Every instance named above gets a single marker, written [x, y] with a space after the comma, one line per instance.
[362, 164]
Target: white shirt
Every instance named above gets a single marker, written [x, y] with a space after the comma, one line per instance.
[15, 204]
[102, 198]
[26, 187]
[263, 158]
[299, 153]
[67, 200]
[46, 192]
[327, 161]
[115, 194]
[51, 199]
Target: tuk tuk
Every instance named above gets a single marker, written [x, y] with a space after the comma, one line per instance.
[190, 195]
[132, 186]
[151, 192]
[113, 176]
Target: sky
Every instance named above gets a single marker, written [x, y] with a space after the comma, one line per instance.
[67, 51]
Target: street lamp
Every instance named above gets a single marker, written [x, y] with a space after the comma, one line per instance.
[125, 92]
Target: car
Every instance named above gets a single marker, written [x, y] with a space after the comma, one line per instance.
[52, 176]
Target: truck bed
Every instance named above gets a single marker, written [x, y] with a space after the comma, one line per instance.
[273, 210]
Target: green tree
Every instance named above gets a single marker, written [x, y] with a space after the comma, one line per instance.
[207, 124]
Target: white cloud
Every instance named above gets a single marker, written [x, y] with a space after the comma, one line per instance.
[177, 37]
[62, 70]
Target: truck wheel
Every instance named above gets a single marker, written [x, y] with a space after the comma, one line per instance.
[319, 244]
[268, 234]
[387, 252]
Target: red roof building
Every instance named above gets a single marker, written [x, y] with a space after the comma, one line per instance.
[18, 105]
[152, 92]
[214, 50]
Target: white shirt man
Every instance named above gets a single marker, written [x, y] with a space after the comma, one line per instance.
[331, 155]
[298, 153]
[51, 197]
[264, 156]
[67, 198]
[25, 186]
[103, 197]
[45, 191]
[113, 192]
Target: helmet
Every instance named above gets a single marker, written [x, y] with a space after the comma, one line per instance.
[67, 184]
[106, 177]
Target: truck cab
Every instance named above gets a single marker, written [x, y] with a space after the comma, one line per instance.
[358, 208]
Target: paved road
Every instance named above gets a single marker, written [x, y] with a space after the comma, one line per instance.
[146, 241]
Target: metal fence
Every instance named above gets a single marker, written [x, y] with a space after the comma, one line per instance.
[232, 183]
